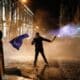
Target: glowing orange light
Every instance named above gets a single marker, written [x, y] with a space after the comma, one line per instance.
[24, 1]
[37, 27]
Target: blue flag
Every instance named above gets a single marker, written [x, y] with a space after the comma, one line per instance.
[17, 42]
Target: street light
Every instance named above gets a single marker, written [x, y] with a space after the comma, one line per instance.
[37, 27]
[23, 1]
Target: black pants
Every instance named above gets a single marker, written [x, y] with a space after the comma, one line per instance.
[43, 55]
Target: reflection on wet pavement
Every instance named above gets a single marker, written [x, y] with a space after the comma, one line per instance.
[65, 70]
[60, 49]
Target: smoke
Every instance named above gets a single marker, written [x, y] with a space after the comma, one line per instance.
[40, 17]
[68, 30]
[43, 19]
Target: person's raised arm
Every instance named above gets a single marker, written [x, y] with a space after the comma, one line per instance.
[54, 38]
[46, 40]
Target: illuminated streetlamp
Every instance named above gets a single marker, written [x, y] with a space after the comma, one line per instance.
[37, 27]
[23, 1]
[27, 25]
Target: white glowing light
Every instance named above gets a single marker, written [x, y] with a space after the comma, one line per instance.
[67, 30]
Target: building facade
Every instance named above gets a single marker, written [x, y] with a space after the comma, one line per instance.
[15, 18]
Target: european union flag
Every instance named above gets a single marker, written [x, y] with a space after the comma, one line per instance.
[17, 42]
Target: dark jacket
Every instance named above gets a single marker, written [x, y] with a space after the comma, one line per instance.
[37, 41]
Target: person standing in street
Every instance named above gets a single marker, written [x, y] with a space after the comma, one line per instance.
[38, 42]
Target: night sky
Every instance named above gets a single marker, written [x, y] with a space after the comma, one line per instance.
[47, 12]
[52, 6]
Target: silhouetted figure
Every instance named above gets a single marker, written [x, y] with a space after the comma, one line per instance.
[37, 41]
[1, 57]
